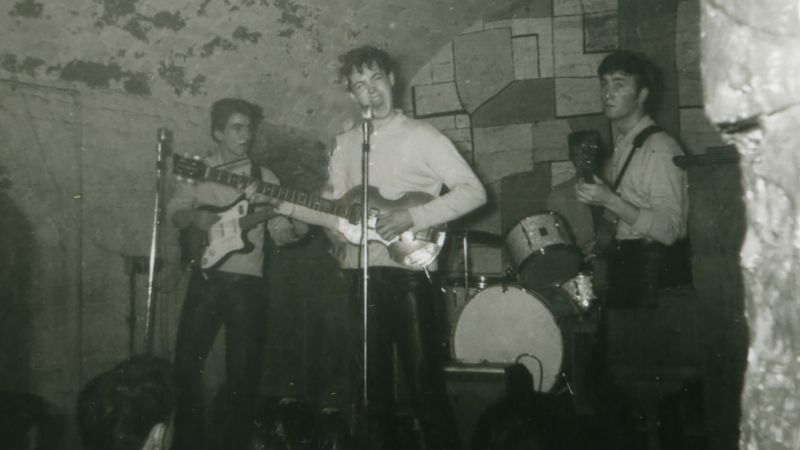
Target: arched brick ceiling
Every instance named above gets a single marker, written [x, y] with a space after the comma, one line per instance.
[280, 53]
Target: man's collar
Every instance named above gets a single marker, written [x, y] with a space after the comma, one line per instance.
[627, 140]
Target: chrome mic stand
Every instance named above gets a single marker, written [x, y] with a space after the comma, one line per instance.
[162, 148]
[366, 131]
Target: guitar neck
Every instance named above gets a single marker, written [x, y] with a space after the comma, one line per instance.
[282, 193]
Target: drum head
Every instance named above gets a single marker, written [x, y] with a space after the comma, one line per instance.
[506, 324]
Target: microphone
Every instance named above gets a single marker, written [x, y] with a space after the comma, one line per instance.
[366, 124]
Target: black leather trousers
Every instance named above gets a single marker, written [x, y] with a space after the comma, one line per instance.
[401, 312]
[238, 302]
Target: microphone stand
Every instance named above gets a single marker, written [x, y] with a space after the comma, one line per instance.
[366, 130]
[164, 138]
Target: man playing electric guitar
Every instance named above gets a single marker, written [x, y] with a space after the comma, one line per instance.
[406, 156]
[233, 292]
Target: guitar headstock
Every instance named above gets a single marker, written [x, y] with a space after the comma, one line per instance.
[188, 168]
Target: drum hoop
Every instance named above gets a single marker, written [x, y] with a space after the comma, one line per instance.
[539, 212]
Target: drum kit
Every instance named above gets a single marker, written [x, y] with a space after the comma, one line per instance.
[523, 314]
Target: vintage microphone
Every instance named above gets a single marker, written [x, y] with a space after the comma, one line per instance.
[162, 148]
[366, 131]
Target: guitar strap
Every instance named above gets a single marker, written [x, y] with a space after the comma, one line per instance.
[638, 141]
[605, 224]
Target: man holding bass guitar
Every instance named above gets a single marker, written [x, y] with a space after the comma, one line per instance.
[408, 159]
[230, 291]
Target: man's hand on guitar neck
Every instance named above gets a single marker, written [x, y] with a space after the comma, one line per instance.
[393, 223]
[260, 201]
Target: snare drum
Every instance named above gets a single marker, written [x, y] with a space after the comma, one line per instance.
[507, 324]
[542, 251]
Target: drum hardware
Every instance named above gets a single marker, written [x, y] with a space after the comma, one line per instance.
[465, 279]
[580, 290]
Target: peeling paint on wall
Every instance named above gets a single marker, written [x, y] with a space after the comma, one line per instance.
[170, 20]
[202, 10]
[138, 25]
[137, 83]
[27, 8]
[136, 29]
[292, 13]
[242, 34]
[175, 76]
[96, 74]
[217, 43]
[27, 65]
[113, 10]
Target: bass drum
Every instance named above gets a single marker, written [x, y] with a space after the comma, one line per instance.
[507, 324]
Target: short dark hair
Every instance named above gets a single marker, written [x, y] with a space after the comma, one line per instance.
[365, 56]
[118, 408]
[223, 109]
[644, 72]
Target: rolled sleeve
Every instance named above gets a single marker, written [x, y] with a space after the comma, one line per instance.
[664, 218]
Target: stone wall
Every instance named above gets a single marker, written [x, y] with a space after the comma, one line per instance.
[750, 79]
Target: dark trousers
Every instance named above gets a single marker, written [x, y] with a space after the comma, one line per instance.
[238, 302]
[639, 273]
[638, 269]
[401, 312]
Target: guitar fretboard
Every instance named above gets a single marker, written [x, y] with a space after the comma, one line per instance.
[294, 196]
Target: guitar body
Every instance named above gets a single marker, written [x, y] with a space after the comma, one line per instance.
[413, 249]
[208, 249]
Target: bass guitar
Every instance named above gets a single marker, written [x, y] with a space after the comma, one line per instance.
[414, 249]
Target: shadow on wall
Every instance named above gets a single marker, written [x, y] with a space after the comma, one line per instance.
[298, 159]
[16, 261]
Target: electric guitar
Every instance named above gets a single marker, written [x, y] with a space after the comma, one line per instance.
[412, 249]
[208, 249]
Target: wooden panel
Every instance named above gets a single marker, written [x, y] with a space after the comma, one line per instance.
[526, 57]
[577, 96]
[568, 44]
[483, 65]
[530, 8]
[522, 101]
[524, 194]
[440, 98]
[600, 32]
